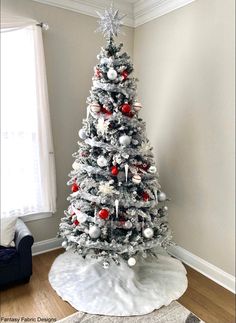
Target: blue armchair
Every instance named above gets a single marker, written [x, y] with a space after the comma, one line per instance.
[16, 262]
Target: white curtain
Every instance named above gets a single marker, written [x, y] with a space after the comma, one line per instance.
[28, 180]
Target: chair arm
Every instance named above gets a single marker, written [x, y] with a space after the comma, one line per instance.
[23, 238]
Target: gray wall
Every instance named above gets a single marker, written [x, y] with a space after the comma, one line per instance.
[185, 63]
[71, 47]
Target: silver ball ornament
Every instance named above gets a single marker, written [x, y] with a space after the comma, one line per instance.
[136, 179]
[148, 233]
[131, 261]
[104, 60]
[124, 140]
[64, 244]
[106, 264]
[94, 232]
[101, 161]
[161, 197]
[165, 208]
[128, 225]
[112, 74]
[82, 134]
[75, 165]
[152, 169]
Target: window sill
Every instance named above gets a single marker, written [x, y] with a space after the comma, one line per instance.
[37, 216]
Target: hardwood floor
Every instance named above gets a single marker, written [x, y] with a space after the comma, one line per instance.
[206, 299]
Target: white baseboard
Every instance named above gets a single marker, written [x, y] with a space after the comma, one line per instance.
[46, 245]
[207, 269]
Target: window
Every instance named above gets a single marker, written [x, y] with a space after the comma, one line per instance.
[27, 160]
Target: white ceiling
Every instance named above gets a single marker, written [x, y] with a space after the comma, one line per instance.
[137, 12]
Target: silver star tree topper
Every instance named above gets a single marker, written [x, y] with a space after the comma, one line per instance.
[110, 22]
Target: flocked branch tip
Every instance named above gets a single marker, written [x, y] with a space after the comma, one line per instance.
[110, 22]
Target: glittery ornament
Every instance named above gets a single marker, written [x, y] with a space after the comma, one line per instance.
[131, 261]
[94, 232]
[106, 264]
[161, 196]
[152, 169]
[101, 161]
[64, 244]
[148, 233]
[125, 140]
[112, 74]
[104, 61]
[82, 134]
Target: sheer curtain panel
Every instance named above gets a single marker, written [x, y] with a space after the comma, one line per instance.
[28, 180]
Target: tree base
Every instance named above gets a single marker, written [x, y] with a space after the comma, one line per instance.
[118, 290]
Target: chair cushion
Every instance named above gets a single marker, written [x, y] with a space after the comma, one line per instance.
[8, 228]
[7, 254]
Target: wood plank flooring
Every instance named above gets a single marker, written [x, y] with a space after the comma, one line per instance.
[211, 302]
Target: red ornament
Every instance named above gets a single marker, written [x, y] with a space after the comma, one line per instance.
[74, 188]
[76, 222]
[114, 170]
[122, 221]
[126, 108]
[124, 75]
[130, 114]
[103, 214]
[97, 72]
[145, 196]
[104, 110]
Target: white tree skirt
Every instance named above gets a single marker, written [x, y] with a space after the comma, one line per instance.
[118, 290]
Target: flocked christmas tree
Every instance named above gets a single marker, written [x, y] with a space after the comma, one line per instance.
[117, 208]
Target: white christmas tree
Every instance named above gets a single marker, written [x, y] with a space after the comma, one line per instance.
[117, 208]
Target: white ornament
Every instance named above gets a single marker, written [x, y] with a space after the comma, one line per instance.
[75, 166]
[131, 262]
[137, 106]
[106, 264]
[161, 197]
[80, 216]
[95, 107]
[101, 161]
[64, 244]
[124, 140]
[136, 179]
[126, 172]
[105, 188]
[152, 169]
[148, 233]
[128, 224]
[82, 134]
[117, 208]
[88, 112]
[94, 232]
[112, 74]
[104, 60]
[102, 126]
